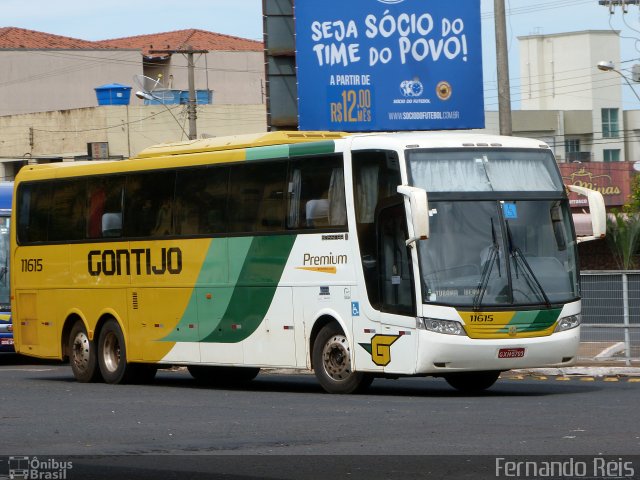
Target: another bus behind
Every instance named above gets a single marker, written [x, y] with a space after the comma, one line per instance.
[6, 328]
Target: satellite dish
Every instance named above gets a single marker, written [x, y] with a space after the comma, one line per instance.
[146, 88]
[147, 84]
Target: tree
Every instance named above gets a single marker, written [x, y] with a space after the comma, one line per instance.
[623, 229]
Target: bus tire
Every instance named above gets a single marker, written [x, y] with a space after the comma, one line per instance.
[82, 355]
[332, 362]
[112, 354]
[472, 382]
[209, 375]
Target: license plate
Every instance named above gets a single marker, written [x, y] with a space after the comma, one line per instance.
[6, 341]
[511, 353]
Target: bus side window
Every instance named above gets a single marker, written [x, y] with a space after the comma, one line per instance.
[33, 212]
[67, 215]
[316, 193]
[201, 200]
[257, 194]
[149, 204]
[104, 205]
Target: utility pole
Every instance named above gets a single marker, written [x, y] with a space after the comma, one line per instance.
[502, 65]
[191, 106]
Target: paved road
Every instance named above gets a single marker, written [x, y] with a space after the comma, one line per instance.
[45, 412]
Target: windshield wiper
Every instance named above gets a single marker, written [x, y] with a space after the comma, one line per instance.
[493, 257]
[516, 253]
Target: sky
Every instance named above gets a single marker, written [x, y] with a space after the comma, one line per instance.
[91, 20]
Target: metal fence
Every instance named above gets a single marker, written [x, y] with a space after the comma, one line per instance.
[610, 316]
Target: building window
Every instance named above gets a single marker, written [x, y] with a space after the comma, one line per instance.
[610, 127]
[611, 155]
[572, 145]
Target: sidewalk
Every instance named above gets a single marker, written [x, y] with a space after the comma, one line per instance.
[594, 370]
[602, 359]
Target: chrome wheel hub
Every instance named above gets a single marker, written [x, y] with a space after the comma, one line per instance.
[336, 358]
[111, 352]
[81, 351]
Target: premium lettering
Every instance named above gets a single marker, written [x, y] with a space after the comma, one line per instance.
[320, 260]
[137, 261]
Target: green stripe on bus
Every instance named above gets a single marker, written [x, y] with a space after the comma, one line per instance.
[312, 148]
[270, 152]
[255, 289]
[533, 320]
[218, 279]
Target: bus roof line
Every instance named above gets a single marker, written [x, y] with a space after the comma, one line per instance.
[237, 142]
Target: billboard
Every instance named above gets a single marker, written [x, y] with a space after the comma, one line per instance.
[372, 65]
[613, 180]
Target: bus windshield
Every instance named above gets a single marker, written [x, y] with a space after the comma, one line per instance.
[5, 304]
[496, 247]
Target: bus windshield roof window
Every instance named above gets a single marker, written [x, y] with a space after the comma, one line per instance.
[495, 221]
[484, 171]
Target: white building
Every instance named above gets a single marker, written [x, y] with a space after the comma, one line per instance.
[559, 72]
[49, 109]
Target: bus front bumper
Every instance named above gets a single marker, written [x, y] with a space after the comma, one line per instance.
[441, 353]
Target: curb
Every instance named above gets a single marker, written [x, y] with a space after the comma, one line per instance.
[584, 373]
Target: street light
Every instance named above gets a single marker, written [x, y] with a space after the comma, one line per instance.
[609, 66]
[150, 96]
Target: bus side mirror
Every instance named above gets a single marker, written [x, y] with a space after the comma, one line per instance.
[419, 212]
[597, 213]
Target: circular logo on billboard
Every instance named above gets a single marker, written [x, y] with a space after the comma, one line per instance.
[443, 90]
[411, 88]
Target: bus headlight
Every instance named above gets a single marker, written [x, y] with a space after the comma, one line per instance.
[567, 323]
[449, 327]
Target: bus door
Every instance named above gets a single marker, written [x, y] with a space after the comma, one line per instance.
[386, 264]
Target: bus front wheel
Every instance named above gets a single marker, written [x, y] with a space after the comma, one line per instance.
[82, 355]
[332, 362]
[472, 382]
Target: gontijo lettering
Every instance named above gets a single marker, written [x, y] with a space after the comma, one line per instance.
[144, 261]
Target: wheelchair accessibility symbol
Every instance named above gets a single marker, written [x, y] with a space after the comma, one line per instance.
[355, 309]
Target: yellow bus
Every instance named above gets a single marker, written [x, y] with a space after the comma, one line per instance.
[304, 250]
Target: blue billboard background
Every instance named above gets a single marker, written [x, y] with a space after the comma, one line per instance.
[373, 65]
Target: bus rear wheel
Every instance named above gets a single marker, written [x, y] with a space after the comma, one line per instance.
[472, 382]
[112, 354]
[332, 362]
[82, 355]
